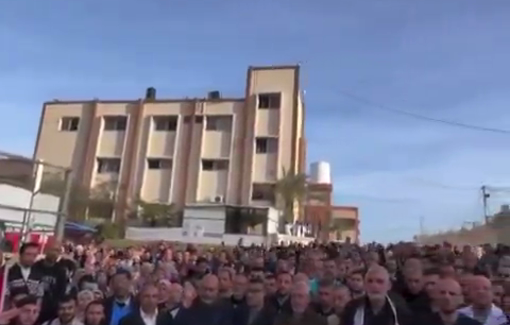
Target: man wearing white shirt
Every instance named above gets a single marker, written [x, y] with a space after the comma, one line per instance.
[482, 309]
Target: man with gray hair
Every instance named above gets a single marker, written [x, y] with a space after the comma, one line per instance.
[377, 306]
[301, 314]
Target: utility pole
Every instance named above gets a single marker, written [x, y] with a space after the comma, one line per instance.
[63, 207]
[485, 197]
[422, 225]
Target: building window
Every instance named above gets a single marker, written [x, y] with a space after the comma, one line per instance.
[269, 100]
[245, 221]
[263, 192]
[266, 145]
[218, 123]
[199, 119]
[69, 123]
[211, 164]
[154, 163]
[115, 123]
[165, 123]
[108, 165]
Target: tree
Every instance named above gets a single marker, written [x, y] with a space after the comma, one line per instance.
[78, 198]
[109, 230]
[97, 202]
[102, 200]
[290, 189]
[159, 214]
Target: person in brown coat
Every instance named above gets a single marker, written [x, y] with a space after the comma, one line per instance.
[301, 313]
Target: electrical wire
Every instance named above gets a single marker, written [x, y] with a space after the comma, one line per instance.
[369, 103]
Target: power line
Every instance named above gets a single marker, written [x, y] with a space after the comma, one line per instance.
[372, 104]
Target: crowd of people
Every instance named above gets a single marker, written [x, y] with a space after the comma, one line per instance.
[317, 284]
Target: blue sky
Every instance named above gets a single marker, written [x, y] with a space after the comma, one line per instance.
[443, 59]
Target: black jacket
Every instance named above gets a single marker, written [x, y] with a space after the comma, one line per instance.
[433, 318]
[205, 314]
[54, 281]
[386, 316]
[135, 318]
[278, 304]
[308, 318]
[16, 284]
[241, 316]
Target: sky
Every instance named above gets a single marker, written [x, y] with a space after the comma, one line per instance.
[441, 59]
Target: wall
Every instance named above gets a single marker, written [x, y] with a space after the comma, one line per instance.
[176, 235]
[200, 222]
[20, 198]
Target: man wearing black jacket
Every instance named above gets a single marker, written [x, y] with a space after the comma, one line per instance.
[379, 306]
[254, 312]
[280, 301]
[122, 302]
[148, 313]
[207, 308]
[23, 278]
[449, 299]
[54, 281]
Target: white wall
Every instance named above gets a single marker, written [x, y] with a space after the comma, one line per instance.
[206, 225]
[273, 216]
[20, 198]
[176, 234]
[204, 222]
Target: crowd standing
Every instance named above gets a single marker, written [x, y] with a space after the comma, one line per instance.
[316, 284]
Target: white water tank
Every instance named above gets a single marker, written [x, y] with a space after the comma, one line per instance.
[320, 173]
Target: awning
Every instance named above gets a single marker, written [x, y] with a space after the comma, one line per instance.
[78, 227]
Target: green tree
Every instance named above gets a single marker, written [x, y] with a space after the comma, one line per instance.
[97, 202]
[159, 214]
[289, 190]
[101, 201]
[109, 230]
[78, 198]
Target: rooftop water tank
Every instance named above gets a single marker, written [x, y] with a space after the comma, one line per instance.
[320, 173]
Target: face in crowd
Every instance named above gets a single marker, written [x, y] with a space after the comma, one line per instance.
[414, 280]
[208, 289]
[480, 292]
[28, 255]
[377, 283]
[240, 286]
[66, 311]
[255, 293]
[121, 284]
[300, 297]
[355, 282]
[448, 296]
[342, 296]
[283, 283]
[28, 314]
[326, 295]
[270, 284]
[94, 313]
[149, 298]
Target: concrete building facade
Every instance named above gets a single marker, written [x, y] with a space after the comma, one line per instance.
[183, 151]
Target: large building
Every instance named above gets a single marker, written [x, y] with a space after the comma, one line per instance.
[213, 149]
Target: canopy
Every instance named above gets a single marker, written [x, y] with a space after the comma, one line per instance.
[73, 226]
